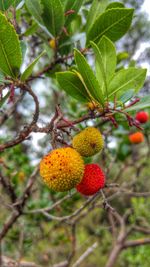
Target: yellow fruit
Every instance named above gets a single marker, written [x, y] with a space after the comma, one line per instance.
[88, 142]
[62, 169]
[52, 43]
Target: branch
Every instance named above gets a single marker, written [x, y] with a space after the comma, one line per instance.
[112, 224]
[74, 214]
[144, 230]
[47, 209]
[73, 244]
[7, 262]
[8, 187]
[85, 254]
[53, 64]
[28, 129]
[65, 124]
[116, 250]
[135, 243]
[11, 110]
[19, 205]
[61, 264]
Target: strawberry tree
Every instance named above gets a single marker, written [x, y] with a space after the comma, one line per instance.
[90, 95]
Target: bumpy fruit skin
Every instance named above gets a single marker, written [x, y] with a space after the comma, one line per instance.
[93, 180]
[142, 116]
[88, 142]
[62, 169]
[136, 138]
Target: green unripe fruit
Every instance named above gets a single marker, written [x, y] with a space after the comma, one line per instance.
[88, 142]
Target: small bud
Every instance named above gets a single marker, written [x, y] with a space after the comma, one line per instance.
[52, 43]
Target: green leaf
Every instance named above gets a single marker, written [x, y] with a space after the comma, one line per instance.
[108, 52]
[53, 16]
[29, 69]
[72, 5]
[49, 51]
[96, 9]
[115, 5]
[5, 4]
[17, 2]
[84, 84]
[88, 77]
[63, 2]
[3, 80]
[10, 51]
[100, 69]
[126, 79]
[105, 68]
[76, 24]
[113, 23]
[144, 103]
[23, 46]
[31, 30]
[35, 10]
[127, 96]
[3, 100]
[122, 56]
[70, 83]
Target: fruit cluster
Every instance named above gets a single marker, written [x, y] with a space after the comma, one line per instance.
[138, 137]
[64, 169]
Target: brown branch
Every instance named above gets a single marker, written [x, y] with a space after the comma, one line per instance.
[64, 124]
[112, 224]
[28, 129]
[8, 187]
[53, 64]
[11, 110]
[19, 205]
[135, 243]
[53, 206]
[144, 230]
[48, 68]
[122, 233]
[116, 250]
[121, 242]
[73, 244]
[68, 218]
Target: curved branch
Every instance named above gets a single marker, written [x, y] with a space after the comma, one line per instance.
[28, 129]
[7, 115]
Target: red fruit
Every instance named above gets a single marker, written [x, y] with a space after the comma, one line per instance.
[142, 116]
[93, 180]
[136, 138]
